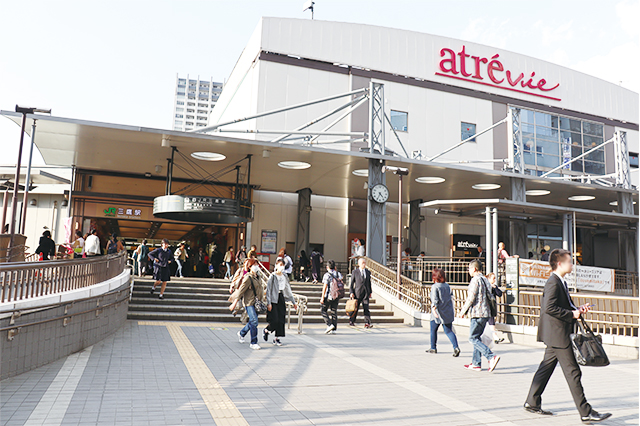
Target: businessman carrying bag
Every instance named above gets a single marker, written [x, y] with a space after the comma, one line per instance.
[558, 315]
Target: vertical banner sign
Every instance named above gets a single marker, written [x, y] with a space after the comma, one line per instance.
[269, 241]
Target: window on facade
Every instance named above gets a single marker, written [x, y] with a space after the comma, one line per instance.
[399, 120]
[178, 123]
[550, 140]
[179, 116]
[467, 130]
[180, 102]
[179, 109]
[633, 160]
[190, 104]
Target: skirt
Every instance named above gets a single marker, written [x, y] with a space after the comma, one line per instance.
[161, 274]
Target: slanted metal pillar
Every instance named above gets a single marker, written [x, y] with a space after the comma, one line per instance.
[304, 221]
[376, 216]
[517, 229]
[414, 226]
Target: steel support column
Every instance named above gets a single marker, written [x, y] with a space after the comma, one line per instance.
[414, 226]
[376, 118]
[494, 238]
[627, 240]
[516, 159]
[623, 170]
[517, 229]
[304, 220]
[489, 243]
[376, 216]
[567, 232]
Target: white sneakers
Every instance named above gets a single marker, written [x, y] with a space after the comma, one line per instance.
[255, 346]
[329, 329]
[240, 337]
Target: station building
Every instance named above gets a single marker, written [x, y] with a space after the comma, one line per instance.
[282, 187]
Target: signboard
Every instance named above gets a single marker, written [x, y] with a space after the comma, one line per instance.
[462, 242]
[536, 273]
[269, 241]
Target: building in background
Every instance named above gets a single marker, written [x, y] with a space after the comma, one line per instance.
[193, 101]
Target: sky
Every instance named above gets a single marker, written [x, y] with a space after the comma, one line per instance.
[116, 61]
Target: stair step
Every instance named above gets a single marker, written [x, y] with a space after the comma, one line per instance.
[308, 319]
[161, 307]
[153, 299]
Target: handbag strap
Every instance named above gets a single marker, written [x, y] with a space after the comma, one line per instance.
[585, 327]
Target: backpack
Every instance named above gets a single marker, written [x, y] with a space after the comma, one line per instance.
[336, 288]
[491, 300]
[113, 248]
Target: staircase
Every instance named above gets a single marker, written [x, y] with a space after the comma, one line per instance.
[202, 299]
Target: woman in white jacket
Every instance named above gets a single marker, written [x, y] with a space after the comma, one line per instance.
[278, 293]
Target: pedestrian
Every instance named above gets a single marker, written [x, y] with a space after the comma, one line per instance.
[316, 265]
[288, 263]
[92, 244]
[180, 256]
[216, 260]
[114, 245]
[200, 263]
[249, 290]
[143, 258]
[359, 249]
[360, 289]
[544, 255]
[241, 256]
[329, 305]
[477, 306]
[406, 263]
[303, 261]
[46, 246]
[442, 311]
[162, 258]
[253, 252]
[502, 253]
[229, 258]
[78, 246]
[492, 320]
[557, 317]
[278, 293]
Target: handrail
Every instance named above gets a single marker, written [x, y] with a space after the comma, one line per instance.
[25, 280]
[612, 314]
[301, 300]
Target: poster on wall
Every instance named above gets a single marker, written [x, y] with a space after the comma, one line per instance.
[269, 241]
[590, 278]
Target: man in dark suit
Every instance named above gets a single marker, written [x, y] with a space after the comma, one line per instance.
[361, 291]
[557, 318]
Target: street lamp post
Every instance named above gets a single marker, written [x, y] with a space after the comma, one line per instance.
[16, 185]
[400, 171]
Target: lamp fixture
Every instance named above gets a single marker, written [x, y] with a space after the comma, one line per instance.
[361, 172]
[430, 179]
[537, 192]
[485, 186]
[294, 165]
[581, 198]
[208, 156]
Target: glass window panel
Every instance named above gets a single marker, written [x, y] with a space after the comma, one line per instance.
[528, 144]
[543, 119]
[529, 158]
[547, 148]
[569, 124]
[572, 138]
[399, 120]
[467, 130]
[526, 116]
[593, 168]
[591, 141]
[548, 160]
[547, 133]
[576, 166]
[594, 129]
[596, 156]
[633, 160]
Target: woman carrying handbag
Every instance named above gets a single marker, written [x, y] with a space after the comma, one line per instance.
[278, 293]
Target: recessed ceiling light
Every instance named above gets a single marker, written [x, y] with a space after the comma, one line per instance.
[208, 156]
[486, 186]
[361, 172]
[581, 198]
[615, 203]
[430, 179]
[538, 192]
[294, 165]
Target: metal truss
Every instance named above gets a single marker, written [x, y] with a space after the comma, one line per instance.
[376, 118]
[623, 170]
[516, 157]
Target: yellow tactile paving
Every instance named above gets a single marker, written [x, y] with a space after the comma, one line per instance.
[220, 406]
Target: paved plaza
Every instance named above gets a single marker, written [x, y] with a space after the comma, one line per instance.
[154, 373]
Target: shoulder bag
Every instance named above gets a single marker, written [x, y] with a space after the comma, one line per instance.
[260, 306]
[587, 347]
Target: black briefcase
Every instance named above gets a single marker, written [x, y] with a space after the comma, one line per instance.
[587, 347]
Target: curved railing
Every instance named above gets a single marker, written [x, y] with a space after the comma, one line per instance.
[25, 280]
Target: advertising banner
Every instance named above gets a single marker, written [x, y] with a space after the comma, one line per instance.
[591, 278]
[269, 241]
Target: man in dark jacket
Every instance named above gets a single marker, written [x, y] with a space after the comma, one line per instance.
[361, 291]
[557, 317]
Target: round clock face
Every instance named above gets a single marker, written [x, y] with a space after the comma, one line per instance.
[380, 193]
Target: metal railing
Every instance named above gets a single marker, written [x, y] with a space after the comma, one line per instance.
[301, 300]
[26, 280]
[612, 314]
